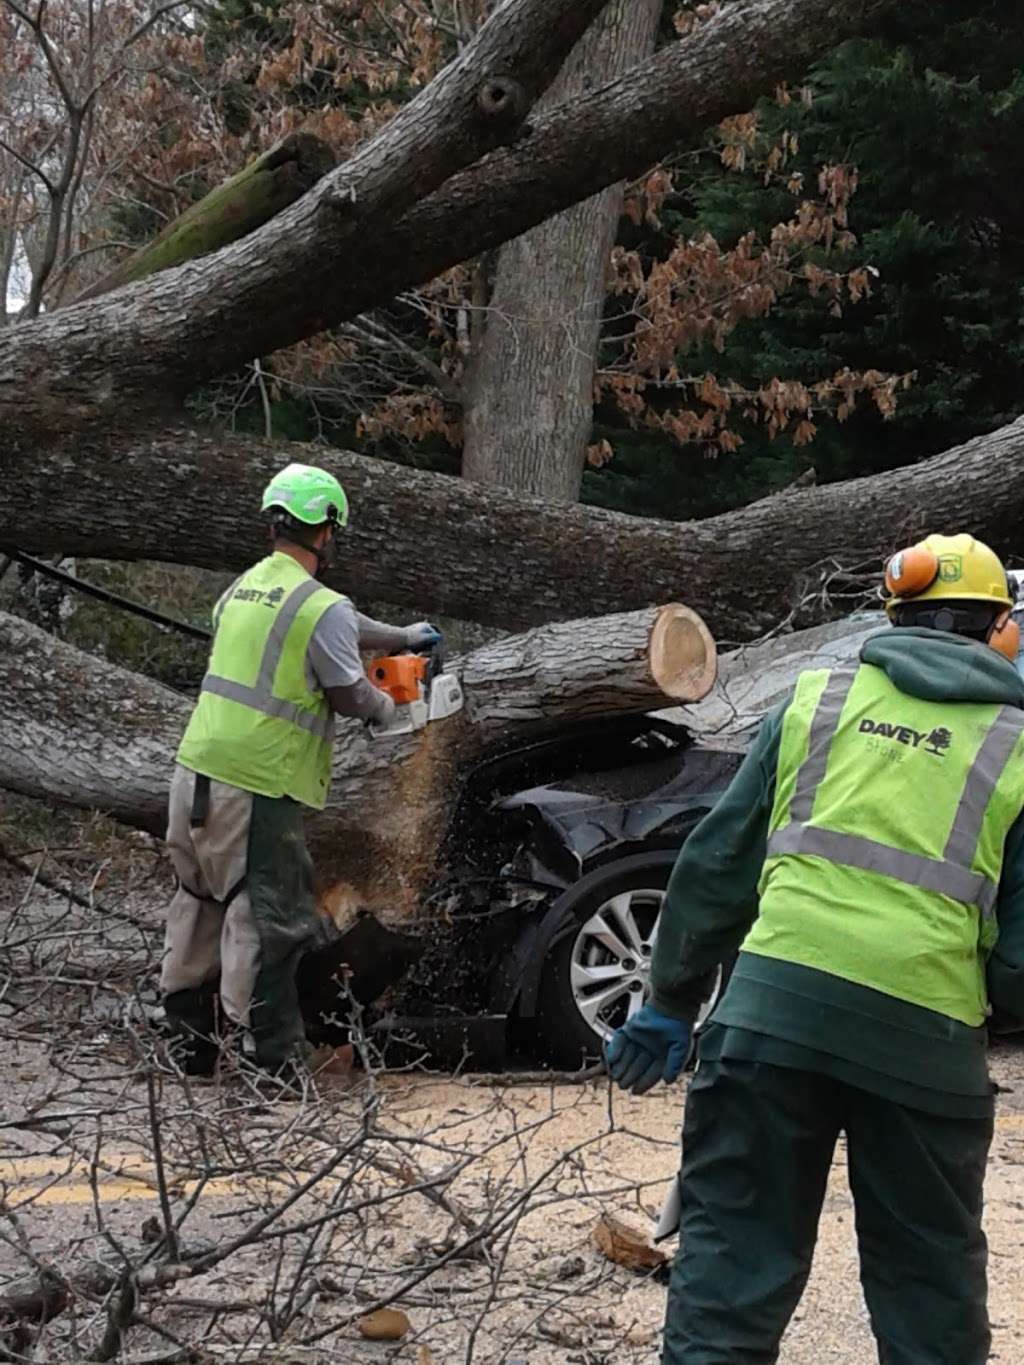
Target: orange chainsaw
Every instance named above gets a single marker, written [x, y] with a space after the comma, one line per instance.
[420, 688]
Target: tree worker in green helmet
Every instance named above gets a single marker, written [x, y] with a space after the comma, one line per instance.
[257, 752]
[868, 862]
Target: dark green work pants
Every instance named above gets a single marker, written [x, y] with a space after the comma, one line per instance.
[758, 1141]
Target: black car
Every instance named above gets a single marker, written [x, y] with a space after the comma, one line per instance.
[557, 860]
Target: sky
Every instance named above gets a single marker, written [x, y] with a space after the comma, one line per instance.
[20, 279]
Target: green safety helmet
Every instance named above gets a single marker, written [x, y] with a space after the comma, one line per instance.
[308, 494]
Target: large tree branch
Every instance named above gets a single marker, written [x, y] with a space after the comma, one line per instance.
[249, 199]
[367, 230]
[478, 102]
[492, 555]
[615, 133]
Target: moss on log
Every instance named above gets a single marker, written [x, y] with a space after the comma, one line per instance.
[245, 202]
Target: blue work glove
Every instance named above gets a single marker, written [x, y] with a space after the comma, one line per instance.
[648, 1048]
[420, 636]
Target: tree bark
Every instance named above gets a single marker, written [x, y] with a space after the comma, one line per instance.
[428, 191]
[494, 556]
[245, 202]
[529, 394]
[754, 678]
[77, 729]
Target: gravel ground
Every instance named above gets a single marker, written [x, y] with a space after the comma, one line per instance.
[556, 1300]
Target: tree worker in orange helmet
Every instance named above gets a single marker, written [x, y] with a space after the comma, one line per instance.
[868, 863]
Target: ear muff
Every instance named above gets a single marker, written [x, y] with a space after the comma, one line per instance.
[911, 571]
[1004, 637]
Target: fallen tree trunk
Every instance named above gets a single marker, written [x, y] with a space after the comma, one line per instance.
[491, 555]
[753, 679]
[77, 729]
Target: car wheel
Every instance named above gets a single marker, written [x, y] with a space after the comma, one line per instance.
[597, 974]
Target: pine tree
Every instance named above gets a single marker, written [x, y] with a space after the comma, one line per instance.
[932, 115]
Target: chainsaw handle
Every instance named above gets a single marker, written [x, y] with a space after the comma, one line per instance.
[431, 649]
[435, 661]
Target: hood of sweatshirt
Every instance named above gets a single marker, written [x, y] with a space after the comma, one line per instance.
[938, 667]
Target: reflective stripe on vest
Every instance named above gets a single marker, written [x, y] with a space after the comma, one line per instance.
[261, 696]
[952, 875]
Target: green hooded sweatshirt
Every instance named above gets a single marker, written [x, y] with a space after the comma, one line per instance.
[796, 1016]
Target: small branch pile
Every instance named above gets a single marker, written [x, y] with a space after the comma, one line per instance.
[153, 1220]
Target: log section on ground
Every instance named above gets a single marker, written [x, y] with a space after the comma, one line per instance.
[78, 729]
[491, 555]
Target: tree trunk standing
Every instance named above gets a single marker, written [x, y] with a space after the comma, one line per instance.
[77, 729]
[528, 404]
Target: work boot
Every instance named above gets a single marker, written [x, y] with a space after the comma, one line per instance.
[195, 1057]
[190, 1028]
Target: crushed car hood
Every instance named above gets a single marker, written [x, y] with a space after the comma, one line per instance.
[578, 827]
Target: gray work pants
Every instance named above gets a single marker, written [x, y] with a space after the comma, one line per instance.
[240, 919]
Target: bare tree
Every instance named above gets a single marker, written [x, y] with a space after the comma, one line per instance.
[88, 88]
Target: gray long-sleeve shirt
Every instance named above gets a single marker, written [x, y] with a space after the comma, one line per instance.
[333, 658]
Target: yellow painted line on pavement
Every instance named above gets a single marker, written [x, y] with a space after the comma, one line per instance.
[110, 1191]
[24, 1178]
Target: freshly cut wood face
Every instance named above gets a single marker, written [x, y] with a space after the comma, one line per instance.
[682, 654]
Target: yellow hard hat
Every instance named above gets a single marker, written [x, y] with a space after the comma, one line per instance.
[950, 568]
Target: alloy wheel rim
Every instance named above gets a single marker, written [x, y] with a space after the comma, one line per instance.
[610, 961]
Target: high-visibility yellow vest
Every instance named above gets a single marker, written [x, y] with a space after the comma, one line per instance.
[886, 838]
[259, 724]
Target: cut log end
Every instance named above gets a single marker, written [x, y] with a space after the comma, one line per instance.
[682, 653]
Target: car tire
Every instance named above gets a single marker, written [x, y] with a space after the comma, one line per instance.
[571, 1021]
